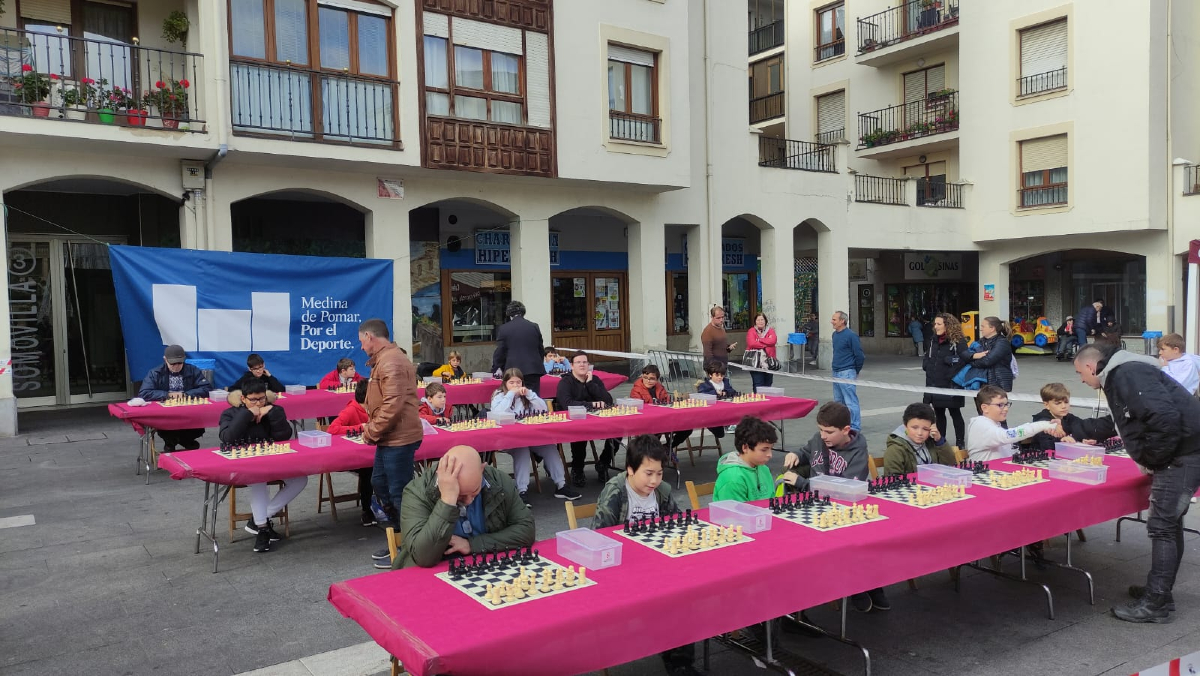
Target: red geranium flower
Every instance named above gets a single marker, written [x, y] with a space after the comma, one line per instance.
[25, 68]
[53, 76]
[185, 83]
[159, 84]
[88, 81]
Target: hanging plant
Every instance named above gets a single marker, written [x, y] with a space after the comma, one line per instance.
[175, 28]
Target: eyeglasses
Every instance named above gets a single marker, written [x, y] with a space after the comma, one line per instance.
[1007, 404]
[255, 400]
[462, 516]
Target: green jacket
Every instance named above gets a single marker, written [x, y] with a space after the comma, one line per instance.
[900, 458]
[612, 507]
[737, 480]
[427, 523]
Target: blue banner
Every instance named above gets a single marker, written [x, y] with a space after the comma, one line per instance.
[301, 313]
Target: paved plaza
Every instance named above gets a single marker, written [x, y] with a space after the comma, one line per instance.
[98, 572]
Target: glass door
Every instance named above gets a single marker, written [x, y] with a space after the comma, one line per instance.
[589, 310]
[35, 334]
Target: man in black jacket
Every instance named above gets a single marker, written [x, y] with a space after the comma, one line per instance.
[253, 418]
[1159, 422]
[519, 346]
[580, 388]
[175, 378]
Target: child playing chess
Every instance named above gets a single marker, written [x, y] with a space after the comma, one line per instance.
[916, 442]
[1056, 400]
[252, 417]
[514, 397]
[452, 370]
[1183, 367]
[344, 375]
[650, 390]
[257, 370]
[987, 438]
[433, 407]
[553, 362]
[716, 383]
[351, 421]
[742, 474]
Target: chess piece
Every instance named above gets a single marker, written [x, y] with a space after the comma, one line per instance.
[582, 575]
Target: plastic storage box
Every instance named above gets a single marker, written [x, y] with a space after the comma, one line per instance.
[502, 418]
[294, 390]
[943, 475]
[705, 397]
[481, 375]
[431, 379]
[839, 488]
[1079, 473]
[627, 401]
[588, 548]
[315, 438]
[218, 395]
[577, 413]
[733, 513]
[1068, 451]
[771, 391]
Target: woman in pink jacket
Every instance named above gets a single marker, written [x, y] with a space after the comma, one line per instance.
[760, 337]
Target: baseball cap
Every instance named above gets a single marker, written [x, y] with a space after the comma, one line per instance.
[174, 354]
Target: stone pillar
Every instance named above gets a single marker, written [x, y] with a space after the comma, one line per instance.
[387, 237]
[833, 293]
[779, 285]
[647, 287]
[993, 270]
[529, 252]
[1160, 285]
[704, 277]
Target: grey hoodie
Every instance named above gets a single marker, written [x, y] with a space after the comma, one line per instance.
[849, 461]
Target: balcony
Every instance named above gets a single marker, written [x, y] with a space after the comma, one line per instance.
[1191, 183]
[939, 194]
[766, 38]
[766, 108]
[880, 190]
[1042, 83]
[631, 127]
[913, 124]
[894, 34]
[831, 136]
[783, 153]
[99, 82]
[297, 104]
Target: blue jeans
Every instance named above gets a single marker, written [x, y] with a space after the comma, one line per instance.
[1171, 492]
[1081, 336]
[848, 395]
[392, 472]
[761, 380]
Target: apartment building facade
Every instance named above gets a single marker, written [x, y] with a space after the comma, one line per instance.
[604, 163]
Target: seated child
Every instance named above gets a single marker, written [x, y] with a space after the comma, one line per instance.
[345, 374]
[451, 370]
[553, 362]
[433, 405]
[650, 390]
[351, 420]
[916, 442]
[514, 397]
[257, 370]
[716, 383]
[1183, 367]
[742, 474]
[987, 438]
[1056, 399]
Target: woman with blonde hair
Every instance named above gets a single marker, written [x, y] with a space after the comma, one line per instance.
[946, 356]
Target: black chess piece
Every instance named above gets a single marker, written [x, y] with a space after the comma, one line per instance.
[536, 555]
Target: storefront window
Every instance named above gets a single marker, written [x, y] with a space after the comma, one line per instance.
[866, 310]
[569, 296]
[608, 303]
[677, 314]
[477, 302]
[737, 297]
[905, 301]
[1028, 300]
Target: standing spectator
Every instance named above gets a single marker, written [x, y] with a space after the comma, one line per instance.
[995, 354]
[943, 360]
[918, 337]
[1159, 422]
[175, 378]
[762, 338]
[394, 426]
[714, 339]
[811, 330]
[1091, 319]
[519, 346]
[1066, 338]
[848, 359]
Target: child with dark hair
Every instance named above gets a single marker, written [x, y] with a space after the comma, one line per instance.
[650, 390]
[917, 442]
[1056, 400]
[987, 437]
[836, 449]
[433, 408]
[257, 370]
[553, 362]
[716, 383]
[742, 474]
[344, 374]
[351, 421]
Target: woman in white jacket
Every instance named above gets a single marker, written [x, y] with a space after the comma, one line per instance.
[514, 397]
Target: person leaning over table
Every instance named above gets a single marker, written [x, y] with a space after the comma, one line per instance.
[460, 508]
[172, 379]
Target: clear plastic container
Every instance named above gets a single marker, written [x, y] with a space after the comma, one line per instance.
[1072, 451]
[431, 379]
[481, 375]
[315, 438]
[502, 418]
[294, 390]
[218, 395]
[733, 513]
[1078, 472]
[577, 413]
[705, 397]
[943, 475]
[839, 488]
[629, 401]
[588, 548]
[771, 391]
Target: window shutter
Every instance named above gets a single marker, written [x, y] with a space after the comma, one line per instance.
[935, 80]
[1044, 48]
[357, 6]
[537, 77]
[1041, 154]
[487, 36]
[629, 55]
[831, 112]
[436, 25]
[53, 11]
[914, 86]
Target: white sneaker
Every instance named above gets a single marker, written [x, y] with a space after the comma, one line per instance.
[1193, 500]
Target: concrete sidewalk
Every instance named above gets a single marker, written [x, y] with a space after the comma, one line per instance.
[98, 574]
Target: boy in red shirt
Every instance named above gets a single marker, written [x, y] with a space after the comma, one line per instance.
[650, 390]
[433, 405]
[351, 421]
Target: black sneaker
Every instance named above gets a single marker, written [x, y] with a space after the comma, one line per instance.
[1138, 591]
[862, 603]
[262, 542]
[567, 493]
[602, 472]
[525, 499]
[879, 600]
[577, 478]
[382, 555]
[383, 564]
[1148, 608]
[191, 445]
[275, 537]
[368, 518]
[168, 448]
[251, 527]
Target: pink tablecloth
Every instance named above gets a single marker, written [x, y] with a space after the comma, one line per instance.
[651, 603]
[346, 455]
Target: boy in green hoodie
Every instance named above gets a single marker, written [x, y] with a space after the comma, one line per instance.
[916, 442]
[742, 474]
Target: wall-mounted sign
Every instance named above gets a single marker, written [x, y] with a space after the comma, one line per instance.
[932, 266]
[733, 252]
[492, 247]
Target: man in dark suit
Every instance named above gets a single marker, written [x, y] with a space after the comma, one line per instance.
[519, 346]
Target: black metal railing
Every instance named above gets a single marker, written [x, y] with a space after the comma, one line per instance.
[302, 104]
[766, 107]
[879, 190]
[935, 114]
[783, 153]
[910, 20]
[829, 50]
[934, 192]
[1191, 179]
[766, 37]
[1042, 82]
[1044, 195]
[629, 127]
[831, 136]
[45, 74]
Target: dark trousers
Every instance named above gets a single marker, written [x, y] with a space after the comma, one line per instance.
[184, 438]
[1065, 344]
[579, 453]
[959, 426]
[1081, 335]
[365, 490]
[392, 472]
[761, 380]
[1170, 496]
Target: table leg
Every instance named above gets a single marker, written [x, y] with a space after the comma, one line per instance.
[866, 654]
[1001, 574]
[1140, 519]
[214, 495]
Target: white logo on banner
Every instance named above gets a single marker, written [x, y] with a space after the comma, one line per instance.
[262, 328]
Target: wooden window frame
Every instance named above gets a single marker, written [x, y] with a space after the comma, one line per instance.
[448, 306]
[629, 88]
[78, 65]
[487, 93]
[819, 46]
[766, 64]
[1047, 185]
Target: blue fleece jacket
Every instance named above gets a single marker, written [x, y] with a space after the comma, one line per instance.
[847, 351]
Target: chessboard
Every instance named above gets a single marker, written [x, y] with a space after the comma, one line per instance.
[615, 412]
[678, 535]
[343, 389]
[906, 491]
[513, 578]
[1033, 459]
[811, 510]
[1116, 447]
[242, 451]
[356, 437]
[184, 401]
[1007, 481]
[464, 381]
[682, 403]
[745, 399]
[471, 425]
[543, 419]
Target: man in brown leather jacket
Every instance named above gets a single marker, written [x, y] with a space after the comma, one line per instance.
[393, 426]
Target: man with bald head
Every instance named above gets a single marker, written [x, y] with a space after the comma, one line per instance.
[461, 508]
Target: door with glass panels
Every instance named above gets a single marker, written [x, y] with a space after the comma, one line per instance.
[589, 310]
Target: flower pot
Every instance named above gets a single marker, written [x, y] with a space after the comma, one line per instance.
[107, 116]
[169, 121]
[137, 118]
[76, 113]
[41, 109]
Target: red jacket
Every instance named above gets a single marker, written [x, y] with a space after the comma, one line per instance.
[767, 344]
[640, 391]
[351, 419]
[332, 381]
[426, 412]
